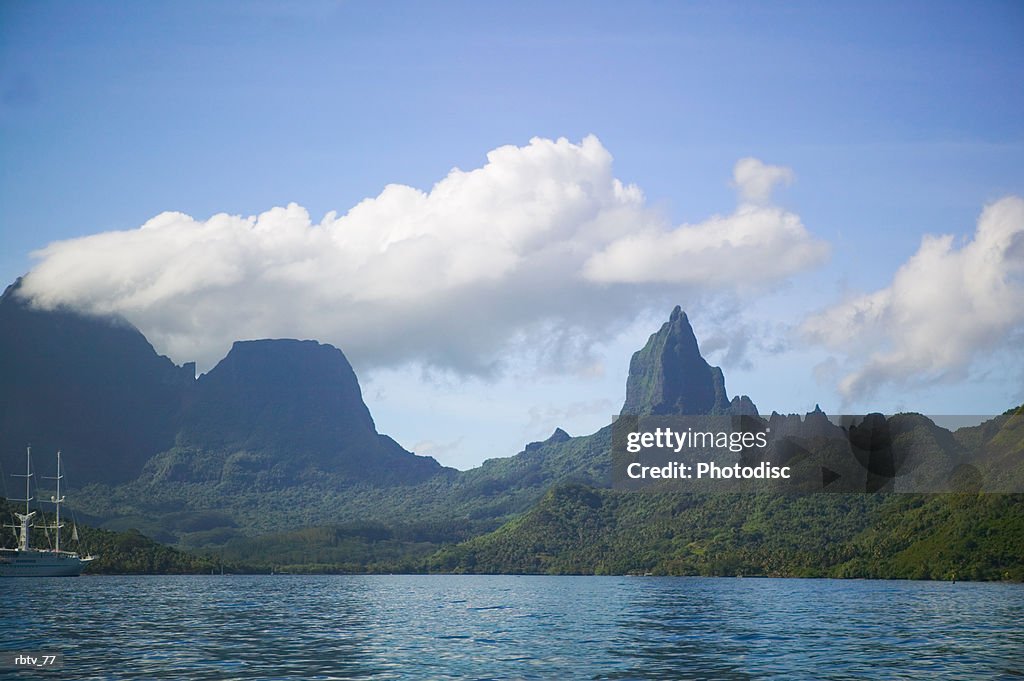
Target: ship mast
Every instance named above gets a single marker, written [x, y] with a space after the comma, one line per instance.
[57, 501]
[26, 519]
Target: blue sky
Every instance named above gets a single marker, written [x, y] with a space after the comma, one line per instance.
[896, 121]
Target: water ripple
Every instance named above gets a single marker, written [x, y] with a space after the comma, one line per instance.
[456, 627]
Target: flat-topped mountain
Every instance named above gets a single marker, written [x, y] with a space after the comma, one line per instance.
[296, 404]
[94, 387]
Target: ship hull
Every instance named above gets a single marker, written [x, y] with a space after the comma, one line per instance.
[32, 563]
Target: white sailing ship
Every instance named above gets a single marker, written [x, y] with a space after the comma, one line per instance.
[26, 561]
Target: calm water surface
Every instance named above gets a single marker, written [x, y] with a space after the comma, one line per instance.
[485, 627]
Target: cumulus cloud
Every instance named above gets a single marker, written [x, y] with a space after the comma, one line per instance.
[756, 180]
[945, 307]
[540, 248]
[755, 244]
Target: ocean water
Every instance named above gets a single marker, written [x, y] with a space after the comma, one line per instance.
[509, 627]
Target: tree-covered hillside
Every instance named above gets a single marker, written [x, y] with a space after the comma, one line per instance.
[127, 552]
[582, 530]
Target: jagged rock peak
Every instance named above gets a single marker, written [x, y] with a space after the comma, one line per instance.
[742, 405]
[669, 375]
[558, 436]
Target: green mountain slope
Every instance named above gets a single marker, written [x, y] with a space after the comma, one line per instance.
[582, 530]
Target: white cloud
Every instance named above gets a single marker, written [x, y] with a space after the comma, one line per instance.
[756, 244]
[538, 249]
[945, 307]
[756, 180]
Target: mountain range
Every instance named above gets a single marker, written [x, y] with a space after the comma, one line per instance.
[273, 457]
[94, 386]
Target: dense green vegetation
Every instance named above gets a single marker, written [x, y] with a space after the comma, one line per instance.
[549, 510]
[127, 552]
[213, 512]
[350, 548]
[581, 530]
[578, 529]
